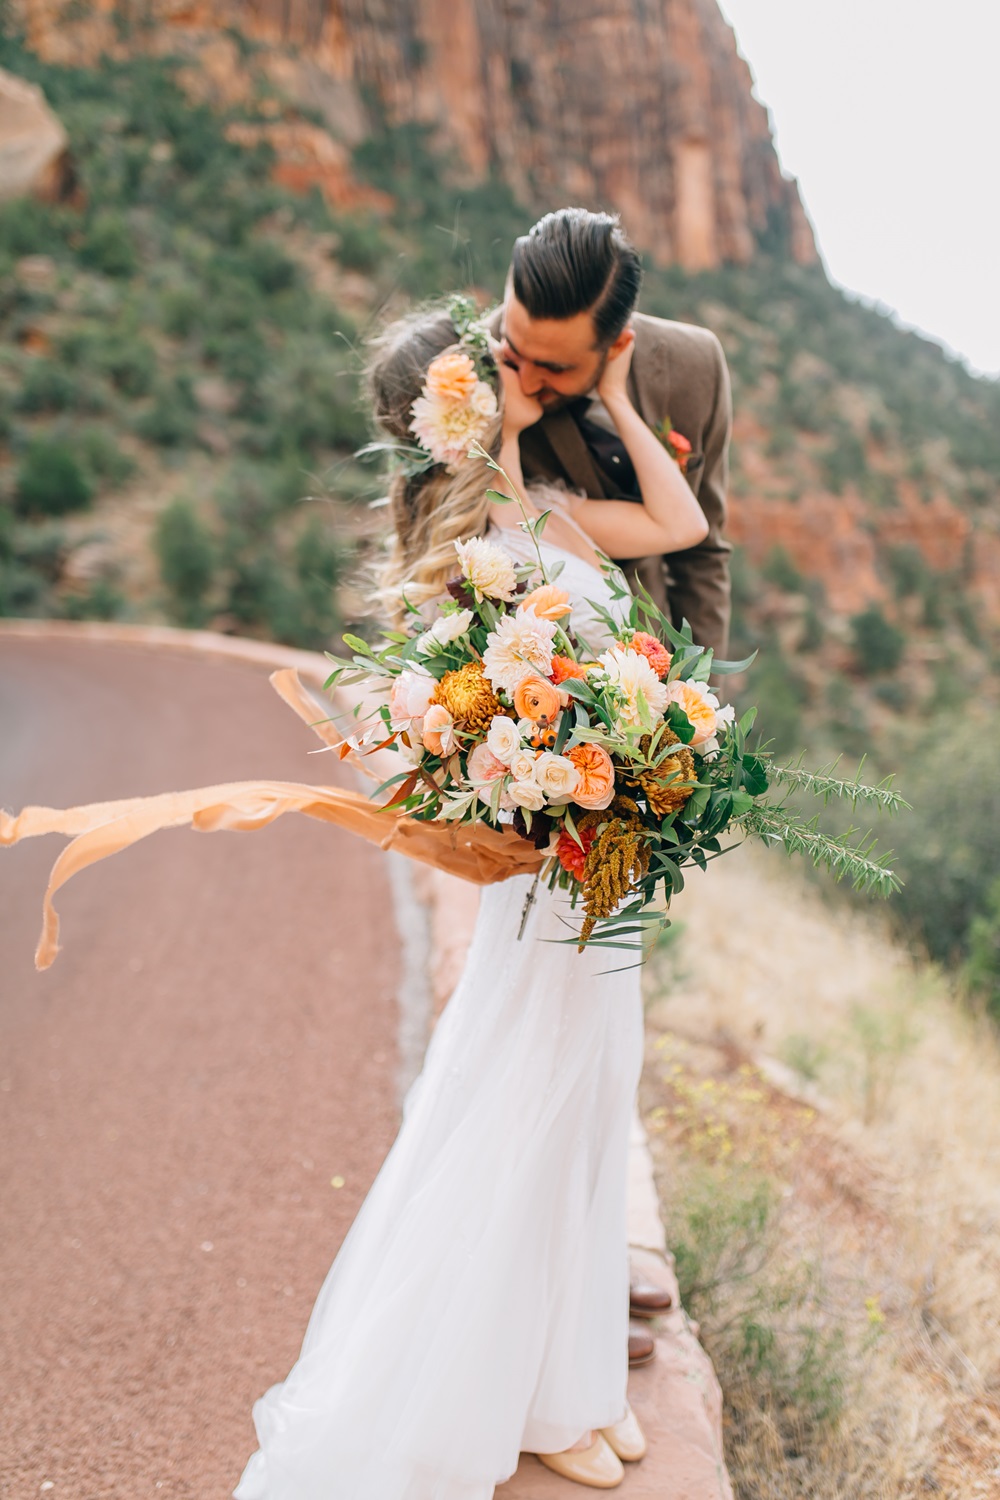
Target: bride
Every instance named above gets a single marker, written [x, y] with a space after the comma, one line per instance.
[478, 1306]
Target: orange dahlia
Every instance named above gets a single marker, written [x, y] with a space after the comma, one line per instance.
[653, 650]
[565, 666]
[570, 855]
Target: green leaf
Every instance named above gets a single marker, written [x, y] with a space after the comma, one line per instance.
[499, 498]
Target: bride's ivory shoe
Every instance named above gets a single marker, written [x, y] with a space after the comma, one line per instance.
[626, 1438]
[597, 1465]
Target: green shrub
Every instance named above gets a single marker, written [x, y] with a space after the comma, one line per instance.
[780, 695]
[779, 569]
[909, 571]
[103, 457]
[101, 601]
[948, 848]
[49, 387]
[171, 420]
[360, 244]
[129, 360]
[182, 309]
[50, 481]
[878, 644]
[186, 555]
[108, 245]
[982, 971]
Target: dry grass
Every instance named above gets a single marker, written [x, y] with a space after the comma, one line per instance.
[855, 1323]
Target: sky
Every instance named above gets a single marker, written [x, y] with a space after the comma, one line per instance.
[888, 113]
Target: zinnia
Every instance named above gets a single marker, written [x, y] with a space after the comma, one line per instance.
[596, 787]
[536, 699]
[564, 667]
[548, 602]
[521, 646]
[488, 569]
[653, 650]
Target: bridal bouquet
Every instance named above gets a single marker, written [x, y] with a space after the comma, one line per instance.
[618, 762]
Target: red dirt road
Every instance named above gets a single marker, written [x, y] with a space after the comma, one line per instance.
[215, 1043]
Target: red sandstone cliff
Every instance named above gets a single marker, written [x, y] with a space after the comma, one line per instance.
[643, 107]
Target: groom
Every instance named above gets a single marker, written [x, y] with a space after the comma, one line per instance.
[570, 303]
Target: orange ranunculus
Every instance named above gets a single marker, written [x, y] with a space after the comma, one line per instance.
[701, 715]
[679, 441]
[536, 699]
[547, 602]
[565, 666]
[569, 853]
[451, 377]
[653, 650]
[596, 786]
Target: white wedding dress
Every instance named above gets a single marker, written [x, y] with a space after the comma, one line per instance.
[479, 1304]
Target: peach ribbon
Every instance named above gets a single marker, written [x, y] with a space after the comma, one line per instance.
[98, 829]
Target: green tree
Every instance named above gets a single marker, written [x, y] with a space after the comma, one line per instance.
[878, 644]
[186, 555]
[50, 482]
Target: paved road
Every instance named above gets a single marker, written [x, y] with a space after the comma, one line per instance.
[215, 1043]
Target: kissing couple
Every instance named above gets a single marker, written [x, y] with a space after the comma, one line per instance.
[478, 1307]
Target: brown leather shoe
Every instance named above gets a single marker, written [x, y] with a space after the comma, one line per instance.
[641, 1346]
[647, 1300]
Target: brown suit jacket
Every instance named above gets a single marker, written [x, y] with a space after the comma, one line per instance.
[679, 371]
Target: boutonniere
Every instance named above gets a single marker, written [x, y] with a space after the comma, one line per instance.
[676, 444]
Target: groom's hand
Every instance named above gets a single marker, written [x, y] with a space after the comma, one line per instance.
[611, 387]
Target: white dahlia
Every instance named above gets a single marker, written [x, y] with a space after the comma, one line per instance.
[488, 568]
[630, 672]
[520, 646]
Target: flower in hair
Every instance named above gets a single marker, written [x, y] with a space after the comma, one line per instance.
[454, 409]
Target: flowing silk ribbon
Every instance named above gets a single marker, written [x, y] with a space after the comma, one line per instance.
[98, 829]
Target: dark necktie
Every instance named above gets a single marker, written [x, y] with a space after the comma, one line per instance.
[606, 449]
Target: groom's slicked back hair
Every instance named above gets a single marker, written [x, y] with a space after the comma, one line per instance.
[574, 261]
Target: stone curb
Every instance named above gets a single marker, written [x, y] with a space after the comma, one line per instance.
[311, 664]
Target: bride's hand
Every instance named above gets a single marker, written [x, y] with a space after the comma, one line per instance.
[519, 411]
[611, 387]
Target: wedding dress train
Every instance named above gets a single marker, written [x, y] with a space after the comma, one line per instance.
[479, 1304]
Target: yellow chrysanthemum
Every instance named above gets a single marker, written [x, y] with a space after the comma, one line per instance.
[468, 697]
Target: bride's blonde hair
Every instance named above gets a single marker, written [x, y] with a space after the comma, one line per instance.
[434, 509]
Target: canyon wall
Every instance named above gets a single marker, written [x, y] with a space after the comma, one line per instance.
[644, 106]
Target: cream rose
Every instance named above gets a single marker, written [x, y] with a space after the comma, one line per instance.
[522, 765]
[527, 794]
[503, 738]
[446, 628]
[557, 776]
[484, 768]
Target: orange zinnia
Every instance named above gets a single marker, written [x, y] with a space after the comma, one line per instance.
[653, 650]
[565, 666]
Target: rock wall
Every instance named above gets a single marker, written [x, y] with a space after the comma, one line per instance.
[644, 106]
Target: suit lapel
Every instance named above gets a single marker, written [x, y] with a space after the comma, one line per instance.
[572, 453]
